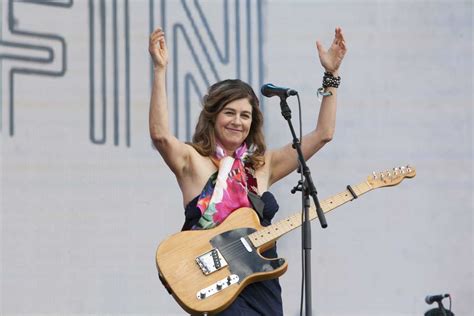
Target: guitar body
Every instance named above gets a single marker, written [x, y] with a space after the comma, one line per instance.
[194, 283]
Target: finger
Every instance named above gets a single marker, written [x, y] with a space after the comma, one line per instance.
[342, 40]
[337, 37]
[157, 35]
[341, 36]
[154, 40]
[343, 46]
[157, 39]
[158, 29]
[163, 43]
[160, 37]
[320, 47]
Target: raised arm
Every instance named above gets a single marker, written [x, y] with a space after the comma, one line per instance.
[174, 152]
[284, 160]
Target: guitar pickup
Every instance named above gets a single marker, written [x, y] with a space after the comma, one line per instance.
[211, 261]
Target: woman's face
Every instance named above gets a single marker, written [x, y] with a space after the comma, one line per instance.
[233, 124]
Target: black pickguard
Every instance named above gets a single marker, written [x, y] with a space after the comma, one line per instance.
[242, 262]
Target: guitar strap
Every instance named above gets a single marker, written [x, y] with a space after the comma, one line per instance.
[252, 195]
[257, 204]
[252, 187]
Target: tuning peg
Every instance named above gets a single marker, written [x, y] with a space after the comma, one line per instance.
[374, 175]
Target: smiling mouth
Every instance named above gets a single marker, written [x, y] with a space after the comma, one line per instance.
[234, 130]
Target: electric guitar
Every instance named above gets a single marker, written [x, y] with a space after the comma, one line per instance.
[205, 270]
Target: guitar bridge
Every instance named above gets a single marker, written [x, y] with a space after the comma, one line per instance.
[211, 261]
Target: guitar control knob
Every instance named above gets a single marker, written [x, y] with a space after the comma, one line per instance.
[219, 286]
[202, 294]
[228, 280]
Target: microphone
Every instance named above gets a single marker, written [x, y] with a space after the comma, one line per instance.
[269, 90]
[430, 299]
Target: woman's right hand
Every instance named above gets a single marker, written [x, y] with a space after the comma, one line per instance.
[158, 50]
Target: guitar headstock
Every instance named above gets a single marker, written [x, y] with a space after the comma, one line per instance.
[390, 177]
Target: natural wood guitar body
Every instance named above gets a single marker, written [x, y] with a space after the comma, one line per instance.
[177, 265]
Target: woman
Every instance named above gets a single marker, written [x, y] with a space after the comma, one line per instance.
[227, 166]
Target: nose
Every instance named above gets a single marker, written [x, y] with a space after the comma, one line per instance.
[237, 121]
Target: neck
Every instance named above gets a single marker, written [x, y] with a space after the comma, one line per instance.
[229, 150]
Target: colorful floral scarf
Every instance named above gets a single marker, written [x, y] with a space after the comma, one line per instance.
[226, 190]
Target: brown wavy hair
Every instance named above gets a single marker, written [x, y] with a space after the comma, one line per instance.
[218, 96]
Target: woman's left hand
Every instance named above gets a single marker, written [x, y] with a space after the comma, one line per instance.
[332, 58]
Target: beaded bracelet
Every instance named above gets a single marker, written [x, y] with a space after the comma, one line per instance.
[330, 81]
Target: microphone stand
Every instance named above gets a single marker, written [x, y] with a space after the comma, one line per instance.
[441, 307]
[307, 189]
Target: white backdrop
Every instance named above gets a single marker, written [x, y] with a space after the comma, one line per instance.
[85, 200]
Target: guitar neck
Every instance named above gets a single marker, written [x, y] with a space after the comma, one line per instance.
[275, 231]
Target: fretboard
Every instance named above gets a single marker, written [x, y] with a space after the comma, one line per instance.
[278, 229]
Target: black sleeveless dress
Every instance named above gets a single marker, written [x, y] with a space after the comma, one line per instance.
[259, 298]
